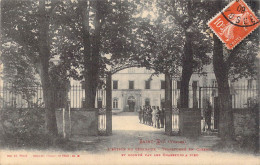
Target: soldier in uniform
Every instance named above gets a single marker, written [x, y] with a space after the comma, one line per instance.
[207, 113]
[143, 115]
[158, 114]
[154, 116]
[162, 118]
[146, 115]
[140, 114]
[150, 116]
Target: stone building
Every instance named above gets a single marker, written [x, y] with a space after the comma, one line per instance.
[135, 87]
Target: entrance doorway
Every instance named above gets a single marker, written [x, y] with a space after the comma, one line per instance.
[131, 103]
[147, 102]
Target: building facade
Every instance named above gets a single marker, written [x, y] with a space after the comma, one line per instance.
[135, 87]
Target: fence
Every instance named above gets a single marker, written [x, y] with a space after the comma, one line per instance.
[33, 96]
[241, 97]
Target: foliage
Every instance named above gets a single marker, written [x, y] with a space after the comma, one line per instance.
[188, 18]
[67, 44]
[20, 33]
[241, 60]
[156, 47]
[18, 72]
[23, 127]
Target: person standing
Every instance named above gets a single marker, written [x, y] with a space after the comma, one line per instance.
[140, 114]
[158, 114]
[146, 115]
[207, 112]
[143, 115]
[162, 118]
[150, 116]
[154, 116]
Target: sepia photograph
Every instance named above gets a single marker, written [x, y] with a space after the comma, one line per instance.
[129, 82]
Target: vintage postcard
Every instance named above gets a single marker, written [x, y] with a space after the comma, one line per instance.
[136, 82]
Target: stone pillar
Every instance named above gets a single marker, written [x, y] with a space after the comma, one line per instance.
[190, 122]
[109, 104]
[168, 104]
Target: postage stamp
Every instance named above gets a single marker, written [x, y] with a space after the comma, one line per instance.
[234, 23]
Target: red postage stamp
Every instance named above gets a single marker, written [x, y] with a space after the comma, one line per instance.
[234, 23]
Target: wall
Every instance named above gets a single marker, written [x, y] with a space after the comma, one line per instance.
[78, 122]
[244, 122]
[190, 122]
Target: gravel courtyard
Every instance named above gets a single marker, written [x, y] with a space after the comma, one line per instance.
[135, 143]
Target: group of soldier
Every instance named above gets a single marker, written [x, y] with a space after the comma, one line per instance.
[153, 116]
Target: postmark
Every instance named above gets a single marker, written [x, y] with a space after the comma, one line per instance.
[234, 23]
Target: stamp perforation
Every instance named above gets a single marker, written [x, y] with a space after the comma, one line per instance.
[220, 13]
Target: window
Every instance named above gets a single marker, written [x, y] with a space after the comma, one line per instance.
[249, 84]
[147, 102]
[162, 84]
[131, 84]
[115, 103]
[115, 84]
[148, 84]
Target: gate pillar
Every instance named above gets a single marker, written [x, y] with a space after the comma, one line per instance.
[109, 104]
[168, 104]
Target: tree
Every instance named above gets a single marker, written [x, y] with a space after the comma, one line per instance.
[27, 24]
[92, 30]
[156, 48]
[195, 45]
[235, 64]
[18, 73]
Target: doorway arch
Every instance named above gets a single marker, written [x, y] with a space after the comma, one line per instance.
[131, 103]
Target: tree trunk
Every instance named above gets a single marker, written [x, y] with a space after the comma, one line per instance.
[51, 122]
[221, 72]
[91, 54]
[168, 104]
[90, 90]
[184, 91]
[96, 48]
[187, 66]
[44, 54]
